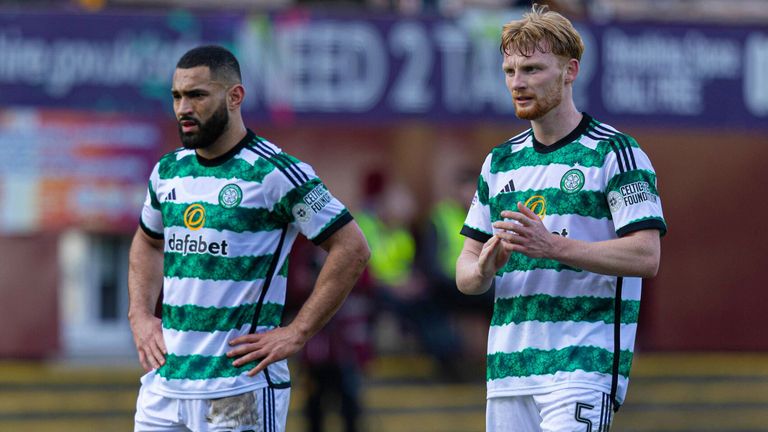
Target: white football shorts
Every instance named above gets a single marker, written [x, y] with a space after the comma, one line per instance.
[570, 410]
[262, 410]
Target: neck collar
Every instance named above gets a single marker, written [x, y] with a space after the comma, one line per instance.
[580, 129]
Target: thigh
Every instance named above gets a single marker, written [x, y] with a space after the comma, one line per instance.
[156, 413]
[579, 410]
[262, 410]
[514, 413]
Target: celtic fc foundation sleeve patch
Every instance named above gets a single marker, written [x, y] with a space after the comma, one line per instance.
[631, 191]
[303, 201]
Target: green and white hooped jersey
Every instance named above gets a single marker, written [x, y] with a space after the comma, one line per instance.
[228, 225]
[555, 326]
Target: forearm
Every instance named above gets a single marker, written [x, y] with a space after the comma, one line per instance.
[145, 276]
[627, 256]
[343, 266]
[469, 280]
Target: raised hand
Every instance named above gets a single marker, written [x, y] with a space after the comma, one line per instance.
[525, 233]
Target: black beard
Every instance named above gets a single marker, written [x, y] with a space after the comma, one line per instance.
[208, 132]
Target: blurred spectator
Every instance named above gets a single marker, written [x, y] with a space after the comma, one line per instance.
[401, 288]
[334, 360]
[439, 245]
[441, 242]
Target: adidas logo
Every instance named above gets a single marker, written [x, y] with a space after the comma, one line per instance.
[510, 187]
[171, 195]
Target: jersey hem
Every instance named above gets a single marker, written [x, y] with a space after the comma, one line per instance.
[543, 389]
[149, 382]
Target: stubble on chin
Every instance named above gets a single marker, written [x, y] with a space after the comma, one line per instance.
[532, 113]
[539, 106]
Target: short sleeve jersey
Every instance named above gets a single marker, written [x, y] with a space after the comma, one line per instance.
[228, 225]
[554, 326]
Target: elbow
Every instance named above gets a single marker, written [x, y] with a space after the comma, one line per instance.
[650, 271]
[647, 255]
[365, 254]
[650, 266]
[653, 268]
[362, 253]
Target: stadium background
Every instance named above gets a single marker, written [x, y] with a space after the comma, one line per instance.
[409, 88]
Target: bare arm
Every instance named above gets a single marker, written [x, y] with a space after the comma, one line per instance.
[636, 254]
[348, 255]
[145, 282]
[478, 263]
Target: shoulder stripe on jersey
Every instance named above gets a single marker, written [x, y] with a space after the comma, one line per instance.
[616, 150]
[622, 141]
[273, 156]
[300, 175]
[600, 129]
[628, 146]
[616, 340]
[293, 167]
[600, 132]
[600, 135]
[596, 137]
[620, 144]
[624, 151]
[519, 138]
[277, 165]
[603, 128]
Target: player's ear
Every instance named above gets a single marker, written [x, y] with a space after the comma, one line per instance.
[571, 70]
[235, 96]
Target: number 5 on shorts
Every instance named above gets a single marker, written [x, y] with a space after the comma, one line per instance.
[582, 406]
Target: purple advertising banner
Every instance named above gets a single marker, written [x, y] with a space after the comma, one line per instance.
[301, 65]
[117, 63]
